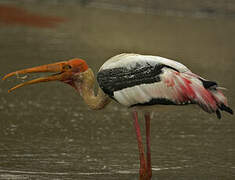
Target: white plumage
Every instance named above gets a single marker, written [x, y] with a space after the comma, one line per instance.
[129, 61]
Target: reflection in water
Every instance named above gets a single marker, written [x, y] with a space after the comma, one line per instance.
[19, 16]
[46, 131]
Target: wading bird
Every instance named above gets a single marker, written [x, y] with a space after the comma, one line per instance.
[138, 82]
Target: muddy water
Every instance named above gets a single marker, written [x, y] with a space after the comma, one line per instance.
[46, 131]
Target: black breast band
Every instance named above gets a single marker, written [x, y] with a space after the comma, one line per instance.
[115, 79]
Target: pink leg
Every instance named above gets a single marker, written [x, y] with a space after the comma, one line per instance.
[147, 124]
[140, 146]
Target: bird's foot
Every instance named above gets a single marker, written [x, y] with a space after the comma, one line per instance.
[145, 174]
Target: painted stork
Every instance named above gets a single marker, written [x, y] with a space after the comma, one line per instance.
[136, 81]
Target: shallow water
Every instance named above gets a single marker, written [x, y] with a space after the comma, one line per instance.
[46, 131]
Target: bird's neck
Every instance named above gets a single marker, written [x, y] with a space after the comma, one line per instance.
[94, 100]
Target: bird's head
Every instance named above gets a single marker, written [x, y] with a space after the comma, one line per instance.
[65, 71]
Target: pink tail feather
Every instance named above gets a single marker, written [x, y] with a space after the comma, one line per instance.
[206, 94]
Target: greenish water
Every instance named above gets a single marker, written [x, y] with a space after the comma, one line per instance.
[47, 132]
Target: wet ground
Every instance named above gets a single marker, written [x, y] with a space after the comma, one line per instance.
[47, 132]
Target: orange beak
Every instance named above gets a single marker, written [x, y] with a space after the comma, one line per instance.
[65, 72]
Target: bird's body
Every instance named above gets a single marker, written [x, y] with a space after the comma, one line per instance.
[143, 80]
[135, 80]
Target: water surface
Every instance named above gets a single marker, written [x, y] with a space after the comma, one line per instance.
[47, 132]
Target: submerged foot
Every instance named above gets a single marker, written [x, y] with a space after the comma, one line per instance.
[145, 174]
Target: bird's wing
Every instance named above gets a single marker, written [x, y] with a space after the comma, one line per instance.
[128, 70]
[165, 87]
[144, 84]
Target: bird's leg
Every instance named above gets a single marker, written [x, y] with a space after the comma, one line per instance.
[147, 124]
[142, 171]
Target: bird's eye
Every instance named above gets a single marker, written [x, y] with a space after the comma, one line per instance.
[67, 67]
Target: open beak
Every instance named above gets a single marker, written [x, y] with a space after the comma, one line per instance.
[64, 71]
